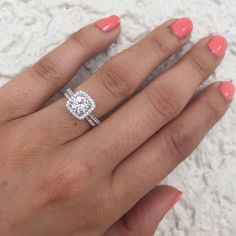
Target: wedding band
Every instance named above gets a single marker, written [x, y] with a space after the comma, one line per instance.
[81, 106]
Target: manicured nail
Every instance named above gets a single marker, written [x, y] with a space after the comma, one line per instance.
[182, 27]
[228, 90]
[109, 23]
[175, 201]
[218, 46]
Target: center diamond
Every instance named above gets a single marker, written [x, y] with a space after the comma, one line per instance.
[80, 105]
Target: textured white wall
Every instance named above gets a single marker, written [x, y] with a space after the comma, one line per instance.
[30, 28]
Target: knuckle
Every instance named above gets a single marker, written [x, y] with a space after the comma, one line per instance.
[213, 111]
[58, 184]
[180, 142]
[115, 80]
[163, 102]
[199, 66]
[160, 45]
[47, 70]
[63, 181]
[81, 38]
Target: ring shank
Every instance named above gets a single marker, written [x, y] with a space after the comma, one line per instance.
[93, 121]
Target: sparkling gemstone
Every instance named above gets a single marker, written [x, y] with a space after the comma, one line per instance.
[81, 105]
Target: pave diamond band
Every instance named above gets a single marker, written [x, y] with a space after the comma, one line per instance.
[81, 106]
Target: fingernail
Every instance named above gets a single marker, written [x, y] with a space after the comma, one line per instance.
[228, 90]
[175, 201]
[182, 27]
[109, 23]
[218, 46]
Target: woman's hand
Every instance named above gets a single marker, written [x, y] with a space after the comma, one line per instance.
[59, 177]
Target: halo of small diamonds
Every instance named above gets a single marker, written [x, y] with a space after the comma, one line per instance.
[80, 105]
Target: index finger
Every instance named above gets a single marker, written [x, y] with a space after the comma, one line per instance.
[27, 92]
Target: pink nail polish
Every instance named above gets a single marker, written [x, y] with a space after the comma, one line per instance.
[182, 27]
[228, 90]
[218, 46]
[174, 201]
[109, 23]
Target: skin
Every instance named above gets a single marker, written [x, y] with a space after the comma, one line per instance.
[59, 177]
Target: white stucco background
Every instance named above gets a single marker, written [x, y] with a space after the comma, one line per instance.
[30, 28]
